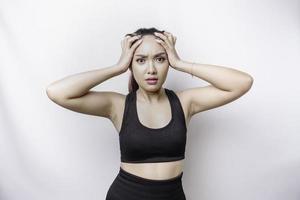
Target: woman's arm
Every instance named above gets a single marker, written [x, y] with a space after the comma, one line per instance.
[79, 84]
[73, 92]
[227, 84]
[223, 78]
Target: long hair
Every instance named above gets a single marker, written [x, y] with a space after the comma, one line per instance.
[132, 84]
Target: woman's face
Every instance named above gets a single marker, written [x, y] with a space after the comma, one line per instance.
[150, 60]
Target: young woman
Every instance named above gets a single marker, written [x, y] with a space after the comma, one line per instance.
[151, 120]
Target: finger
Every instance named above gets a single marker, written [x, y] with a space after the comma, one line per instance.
[162, 43]
[136, 44]
[132, 39]
[168, 41]
[170, 36]
[123, 42]
[173, 39]
[160, 35]
[126, 37]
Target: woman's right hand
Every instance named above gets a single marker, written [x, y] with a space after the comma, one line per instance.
[127, 51]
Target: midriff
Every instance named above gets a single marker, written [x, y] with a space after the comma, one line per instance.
[155, 171]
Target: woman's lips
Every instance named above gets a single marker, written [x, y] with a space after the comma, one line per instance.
[152, 81]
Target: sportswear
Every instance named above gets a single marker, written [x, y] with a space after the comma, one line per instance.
[127, 186]
[141, 144]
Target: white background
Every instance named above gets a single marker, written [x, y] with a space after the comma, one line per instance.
[245, 150]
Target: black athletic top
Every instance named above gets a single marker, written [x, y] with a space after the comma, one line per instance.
[141, 144]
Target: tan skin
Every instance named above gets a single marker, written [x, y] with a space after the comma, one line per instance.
[74, 93]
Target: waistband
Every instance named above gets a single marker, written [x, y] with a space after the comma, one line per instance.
[139, 179]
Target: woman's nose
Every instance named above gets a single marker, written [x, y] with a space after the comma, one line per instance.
[151, 67]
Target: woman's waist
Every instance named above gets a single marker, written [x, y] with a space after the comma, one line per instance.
[156, 171]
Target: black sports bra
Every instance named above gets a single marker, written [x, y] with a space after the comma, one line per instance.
[141, 144]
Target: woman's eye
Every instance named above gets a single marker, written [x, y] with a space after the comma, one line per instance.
[139, 60]
[161, 59]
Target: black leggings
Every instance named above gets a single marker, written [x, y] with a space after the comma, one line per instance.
[127, 186]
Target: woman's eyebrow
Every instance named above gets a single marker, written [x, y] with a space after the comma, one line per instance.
[146, 55]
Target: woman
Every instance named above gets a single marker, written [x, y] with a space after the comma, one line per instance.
[151, 120]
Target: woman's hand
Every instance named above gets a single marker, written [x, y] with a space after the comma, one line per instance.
[128, 50]
[167, 40]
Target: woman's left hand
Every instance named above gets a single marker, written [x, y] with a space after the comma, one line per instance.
[167, 40]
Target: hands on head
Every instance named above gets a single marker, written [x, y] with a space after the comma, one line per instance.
[130, 43]
[128, 50]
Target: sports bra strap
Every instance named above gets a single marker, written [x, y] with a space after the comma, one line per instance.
[125, 113]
